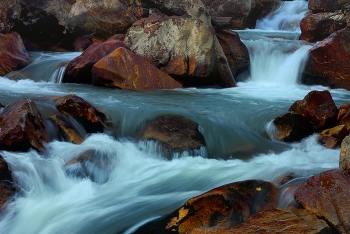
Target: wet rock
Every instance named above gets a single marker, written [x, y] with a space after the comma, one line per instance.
[244, 13]
[345, 121]
[175, 133]
[82, 43]
[125, 70]
[316, 27]
[319, 108]
[328, 63]
[6, 184]
[184, 47]
[291, 127]
[327, 195]
[326, 5]
[222, 207]
[22, 128]
[343, 109]
[79, 69]
[331, 138]
[9, 13]
[91, 118]
[235, 50]
[292, 221]
[13, 54]
[66, 130]
[344, 159]
[284, 179]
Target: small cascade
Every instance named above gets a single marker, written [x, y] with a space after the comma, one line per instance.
[287, 17]
[57, 76]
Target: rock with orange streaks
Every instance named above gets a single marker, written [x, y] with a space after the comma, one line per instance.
[319, 108]
[126, 70]
[327, 195]
[92, 119]
[331, 138]
[79, 69]
[22, 128]
[223, 207]
[13, 55]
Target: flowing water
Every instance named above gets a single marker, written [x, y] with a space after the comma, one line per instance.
[133, 182]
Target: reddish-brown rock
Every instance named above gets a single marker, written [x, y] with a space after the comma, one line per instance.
[175, 133]
[79, 69]
[327, 195]
[345, 121]
[82, 43]
[22, 128]
[92, 119]
[344, 159]
[328, 63]
[235, 50]
[343, 109]
[291, 127]
[66, 130]
[319, 108]
[13, 55]
[316, 27]
[332, 137]
[226, 206]
[6, 187]
[326, 5]
[126, 70]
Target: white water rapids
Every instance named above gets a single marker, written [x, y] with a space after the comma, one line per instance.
[133, 181]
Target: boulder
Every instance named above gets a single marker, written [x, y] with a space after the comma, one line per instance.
[343, 109]
[13, 54]
[244, 13]
[287, 220]
[125, 70]
[326, 5]
[7, 189]
[184, 47]
[319, 108]
[65, 129]
[316, 27]
[291, 127]
[82, 43]
[92, 119]
[175, 133]
[327, 195]
[344, 159]
[345, 121]
[22, 128]
[223, 207]
[332, 137]
[328, 63]
[9, 13]
[79, 69]
[235, 51]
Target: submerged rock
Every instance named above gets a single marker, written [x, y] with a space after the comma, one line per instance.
[22, 128]
[125, 70]
[92, 119]
[66, 130]
[223, 207]
[175, 133]
[79, 69]
[13, 54]
[327, 195]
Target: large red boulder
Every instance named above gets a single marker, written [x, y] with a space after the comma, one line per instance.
[13, 54]
[316, 27]
[125, 70]
[226, 206]
[92, 119]
[79, 69]
[327, 195]
[175, 133]
[328, 63]
[6, 187]
[22, 128]
[319, 108]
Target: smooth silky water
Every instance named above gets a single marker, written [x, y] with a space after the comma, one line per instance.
[133, 181]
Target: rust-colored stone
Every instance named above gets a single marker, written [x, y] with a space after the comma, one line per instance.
[226, 206]
[13, 55]
[327, 195]
[343, 109]
[66, 130]
[346, 121]
[126, 70]
[91, 118]
[319, 108]
[332, 137]
[175, 133]
[291, 127]
[79, 69]
[22, 128]
[328, 63]
[344, 159]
